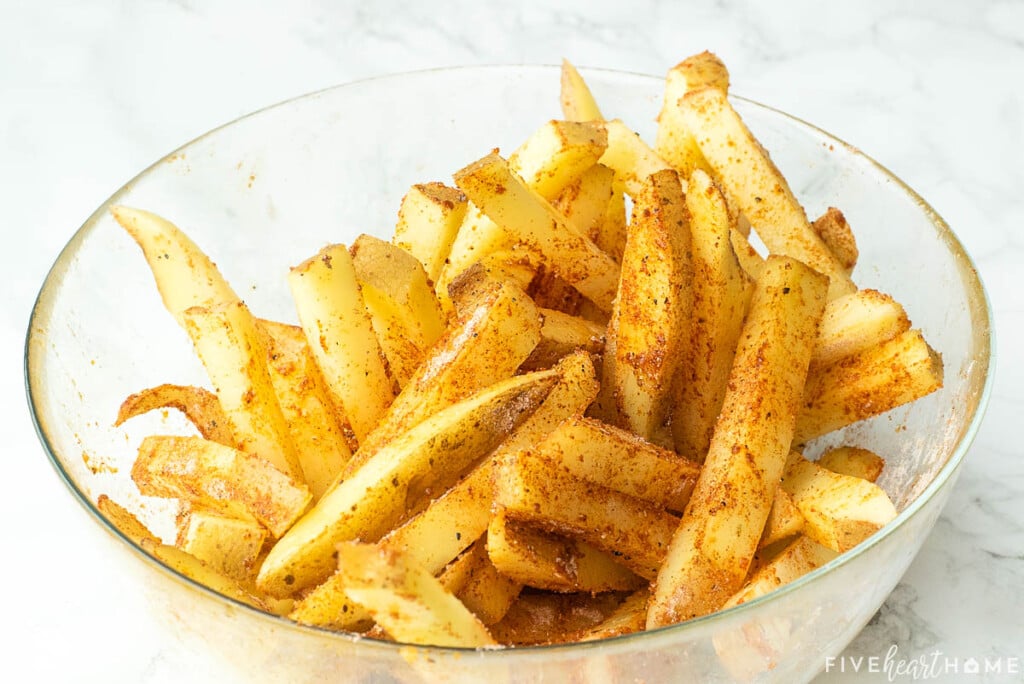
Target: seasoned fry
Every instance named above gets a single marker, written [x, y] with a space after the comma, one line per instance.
[743, 168]
[835, 232]
[340, 334]
[784, 520]
[562, 334]
[675, 143]
[428, 222]
[406, 600]
[629, 617]
[199, 405]
[841, 510]
[387, 488]
[543, 618]
[401, 302]
[220, 478]
[125, 521]
[630, 157]
[867, 384]
[721, 295]
[634, 531]
[584, 202]
[716, 540]
[195, 569]
[474, 580]
[529, 219]
[577, 101]
[227, 544]
[856, 322]
[854, 462]
[315, 430]
[651, 321]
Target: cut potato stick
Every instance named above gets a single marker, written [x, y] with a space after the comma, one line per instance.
[125, 521]
[799, 557]
[230, 345]
[227, 544]
[220, 478]
[761, 193]
[497, 332]
[634, 531]
[584, 202]
[316, 432]
[841, 510]
[675, 143]
[530, 219]
[198, 571]
[618, 459]
[540, 559]
[611, 238]
[406, 600]
[651, 321]
[184, 275]
[749, 258]
[428, 221]
[400, 299]
[474, 580]
[629, 617]
[387, 488]
[199, 405]
[867, 384]
[784, 520]
[340, 335]
[545, 618]
[630, 157]
[854, 462]
[721, 295]
[577, 101]
[716, 540]
[562, 334]
[856, 322]
[835, 232]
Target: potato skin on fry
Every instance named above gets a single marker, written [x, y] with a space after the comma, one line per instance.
[199, 405]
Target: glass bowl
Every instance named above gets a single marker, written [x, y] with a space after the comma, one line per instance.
[264, 192]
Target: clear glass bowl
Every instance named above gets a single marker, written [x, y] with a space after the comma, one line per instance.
[262, 193]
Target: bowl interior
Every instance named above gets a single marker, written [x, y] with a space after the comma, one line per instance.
[266, 191]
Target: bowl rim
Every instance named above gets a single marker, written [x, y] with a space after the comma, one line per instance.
[979, 306]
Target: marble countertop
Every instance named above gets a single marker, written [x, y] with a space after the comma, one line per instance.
[90, 93]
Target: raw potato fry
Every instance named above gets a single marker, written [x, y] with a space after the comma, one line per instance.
[406, 600]
[630, 157]
[577, 102]
[867, 384]
[856, 322]
[651, 321]
[761, 193]
[497, 332]
[611, 238]
[841, 510]
[675, 143]
[341, 337]
[386, 489]
[634, 531]
[584, 202]
[562, 334]
[784, 520]
[835, 232]
[474, 580]
[530, 219]
[227, 544]
[716, 540]
[231, 348]
[428, 222]
[854, 462]
[403, 308]
[198, 571]
[721, 295]
[125, 521]
[542, 618]
[184, 275]
[629, 617]
[220, 478]
[619, 460]
[199, 405]
[549, 561]
[302, 394]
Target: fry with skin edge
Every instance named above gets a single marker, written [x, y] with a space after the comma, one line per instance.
[853, 461]
[578, 103]
[718, 535]
[761, 193]
[651, 320]
[384, 491]
[341, 337]
[674, 142]
[406, 600]
[199, 405]
[721, 295]
[837, 235]
[230, 345]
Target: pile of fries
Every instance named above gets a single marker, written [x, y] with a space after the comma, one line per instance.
[566, 401]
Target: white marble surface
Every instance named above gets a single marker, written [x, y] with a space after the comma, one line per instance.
[92, 92]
